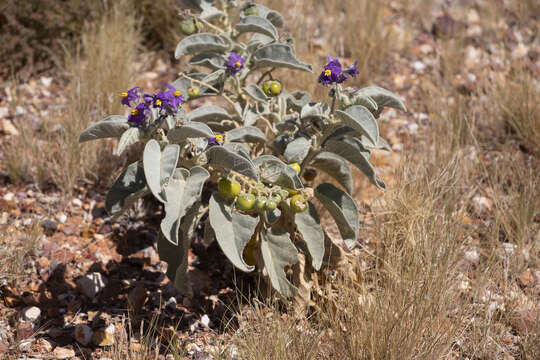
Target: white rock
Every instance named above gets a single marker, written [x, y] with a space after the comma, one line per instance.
[9, 196]
[31, 314]
[472, 256]
[91, 284]
[62, 218]
[205, 320]
[63, 353]
[413, 127]
[46, 81]
[418, 66]
[19, 110]
[77, 202]
[83, 334]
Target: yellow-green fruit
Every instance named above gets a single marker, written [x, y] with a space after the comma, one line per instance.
[296, 167]
[298, 203]
[266, 88]
[271, 205]
[228, 189]
[198, 25]
[275, 88]
[193, 91]
[260, 203]
[283, 194]
[252, 10]
[291, 191]
[188, 27]
[245, 202]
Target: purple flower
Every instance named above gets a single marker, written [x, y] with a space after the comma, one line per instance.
[131, 95]
[234, 64]
[170, 99]
[138, 114]
[333, 72]
[216, 140]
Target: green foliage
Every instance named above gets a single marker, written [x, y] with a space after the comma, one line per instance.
[257, 150]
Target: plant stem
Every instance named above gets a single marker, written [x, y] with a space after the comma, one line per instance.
[202, 83]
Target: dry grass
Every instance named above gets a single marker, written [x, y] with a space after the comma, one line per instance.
[98, 69]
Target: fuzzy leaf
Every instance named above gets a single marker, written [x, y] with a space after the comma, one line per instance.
[169, 160]
[271, 15]
[309, 226]
[209, 113]
[210, 60]
[221, 157]
[190, 130]
[182, 84]
[196, 43]
[298, 99]
[278, 55]
[362, 120]
[110, 127]
[152, 168]
[256, 93]
[343, 209]
[351, 149]
[256, 24]
[383, 98]
[122, 192]
[233, 230]
[238, 148]
[336, 167]
[275, 171]
[248, 134]
[312, 111]
[278, 251]
[297, 150]
[215, 77]
[129, 137]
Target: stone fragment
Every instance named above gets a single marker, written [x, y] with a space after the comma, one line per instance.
[527, 279]
[91, 284]
[83, 334]
[104, 336]
[31, 314]
[63, 353]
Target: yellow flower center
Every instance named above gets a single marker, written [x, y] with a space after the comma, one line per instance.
[158, 102]
[238, 64]
[134, 112]
[177, 93]
[327, 72]
[219, 137]
[124, 94]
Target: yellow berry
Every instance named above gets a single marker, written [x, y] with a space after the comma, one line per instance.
[298, 203]
[296, 167]
[228, 189]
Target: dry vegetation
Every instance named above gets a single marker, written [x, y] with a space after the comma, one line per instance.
[441, 277]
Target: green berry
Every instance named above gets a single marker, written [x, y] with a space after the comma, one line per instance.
[271, 205]
[251, 10]
[283, 194]
[188, 27]
[296, 167]
[275, 88]
[298, 203]
[260, 203]
[193, 91]
[245, 202]
[228, 189]
[266, 88]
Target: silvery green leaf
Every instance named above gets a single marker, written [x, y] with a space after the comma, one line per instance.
[209, 113]
[366, 101]
[129, 137]
[233, 230]
[219, 156]
[210, 60]
[174, 209]
[298, 99]
[309, 226]
[238, 148]
[313, 111]
[297, 150]
[278, 55]
[351, 149]
[278, 252]
[215, 77]
[272, 216]
[210, 12]
[191, 129]
[287, 125]
[172, 120]
[208, 234]
[275, 171]
[248, 134]
[383, 145]
[152, 168]
[204, 42]
[336, 167]
[181, 193]
[257, 41]
[383, 98]
[256, 24]
[343, 209]
[220, 127]
[255, 92]
[111, 126]
[271, 15]
[122, 193]
[250, 117]
[362, 120]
